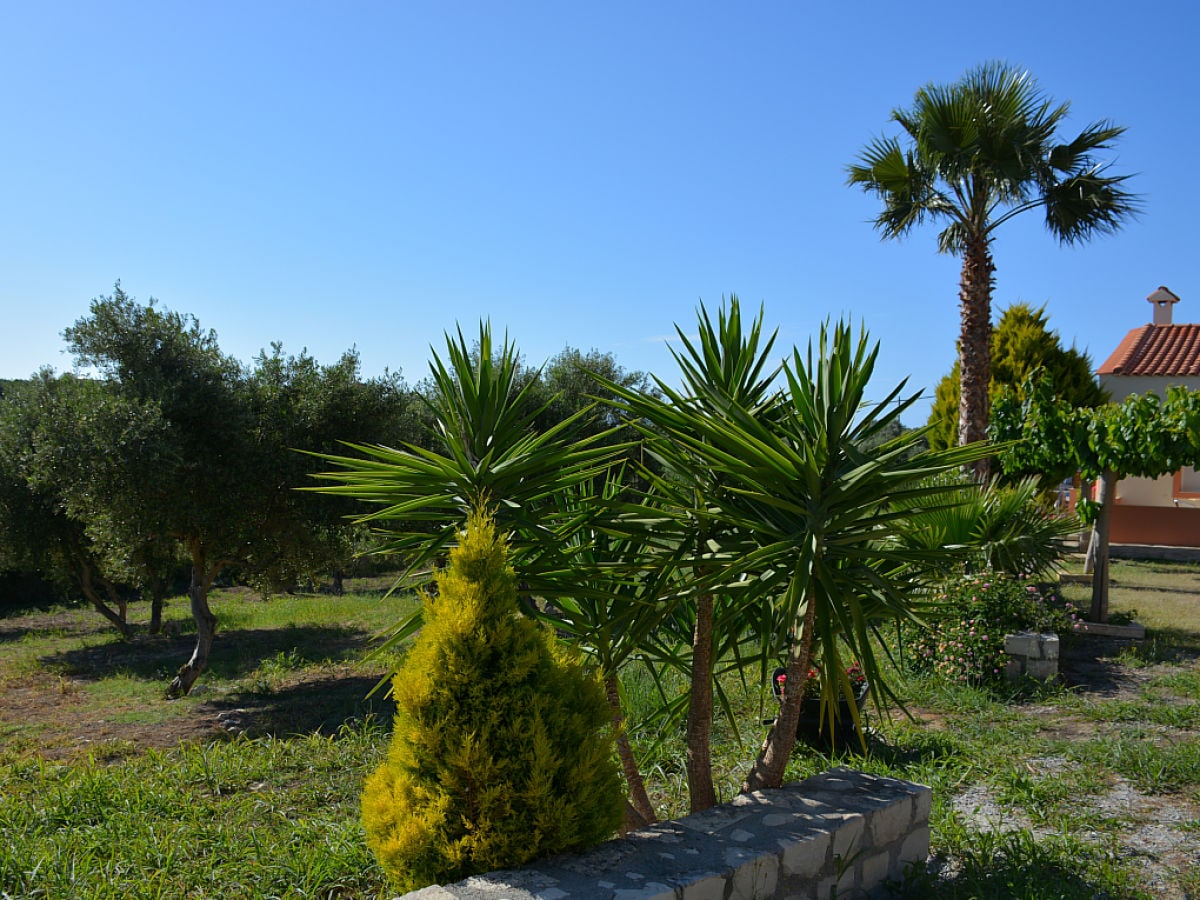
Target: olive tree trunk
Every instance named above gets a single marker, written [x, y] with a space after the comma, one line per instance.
[206, 623]
[156, 611]
[87, 584]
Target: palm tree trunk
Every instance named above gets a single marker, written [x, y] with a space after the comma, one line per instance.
[974, 346]
[701, 793]
[639, 800]
[767, 771]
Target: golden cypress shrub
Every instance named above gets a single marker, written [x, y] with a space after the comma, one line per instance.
[502, 751]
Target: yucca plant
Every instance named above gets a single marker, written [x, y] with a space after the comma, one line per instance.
[727, 366]
[628, 589]
[798, 506]
[487, 453]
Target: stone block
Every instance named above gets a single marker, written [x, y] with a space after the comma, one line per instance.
[1132, 631]
[848, 835]
[755, 879]
[890, 822]
[807, 858]
[1049, 646]
[712, 888]
[922, 806]
[874, 870]
[1024, 643]
[914, 849]
[1042, 669]
[651, 891]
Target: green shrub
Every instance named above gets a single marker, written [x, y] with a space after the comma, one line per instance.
[965, 643]
[502, 751]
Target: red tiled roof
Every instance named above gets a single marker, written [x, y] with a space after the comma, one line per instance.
[1164, 350]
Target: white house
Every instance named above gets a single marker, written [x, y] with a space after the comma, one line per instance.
[1149, 359]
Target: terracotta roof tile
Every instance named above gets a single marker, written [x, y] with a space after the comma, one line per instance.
[1164, 350]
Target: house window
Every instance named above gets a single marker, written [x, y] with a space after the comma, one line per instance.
[1187, 484]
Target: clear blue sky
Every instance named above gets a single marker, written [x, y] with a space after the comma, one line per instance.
[370, 174]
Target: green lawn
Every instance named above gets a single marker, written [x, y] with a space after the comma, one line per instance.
[249, 788]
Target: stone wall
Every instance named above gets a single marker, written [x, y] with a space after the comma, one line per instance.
[842, 829]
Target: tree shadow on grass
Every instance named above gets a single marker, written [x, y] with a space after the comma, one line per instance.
[235, 654]
[313, 703]
[914, 751]
[1102, 665]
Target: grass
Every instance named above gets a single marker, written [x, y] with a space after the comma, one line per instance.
[1160, 595]
[1045, 758]
[274, 814]
[261, 818]
[273, 811]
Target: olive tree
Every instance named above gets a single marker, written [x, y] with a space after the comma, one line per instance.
[220, 477]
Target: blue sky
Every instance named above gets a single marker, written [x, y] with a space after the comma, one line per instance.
[370, 174]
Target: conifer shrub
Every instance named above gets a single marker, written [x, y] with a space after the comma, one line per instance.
[502, 751]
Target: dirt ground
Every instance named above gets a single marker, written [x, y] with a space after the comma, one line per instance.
[53, 708]
[1158, 831]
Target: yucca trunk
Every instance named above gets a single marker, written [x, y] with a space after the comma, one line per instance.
[767, 771]
[701, 793]
[639, 811]
[974, 347]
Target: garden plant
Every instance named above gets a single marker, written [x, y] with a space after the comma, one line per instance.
[502, 751]
[976, 153]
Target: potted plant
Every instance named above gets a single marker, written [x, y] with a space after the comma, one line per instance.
[813, 727]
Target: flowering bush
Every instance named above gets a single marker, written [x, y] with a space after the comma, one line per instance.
[967, 645]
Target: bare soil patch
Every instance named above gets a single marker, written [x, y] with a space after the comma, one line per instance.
[1156, 831]
[49, 710]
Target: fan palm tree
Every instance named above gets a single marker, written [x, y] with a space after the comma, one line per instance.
[1006, 526]
[979, 152]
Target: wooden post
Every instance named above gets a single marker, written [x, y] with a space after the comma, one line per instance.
[1105, 496]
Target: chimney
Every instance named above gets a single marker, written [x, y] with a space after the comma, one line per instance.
[1163, 300]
